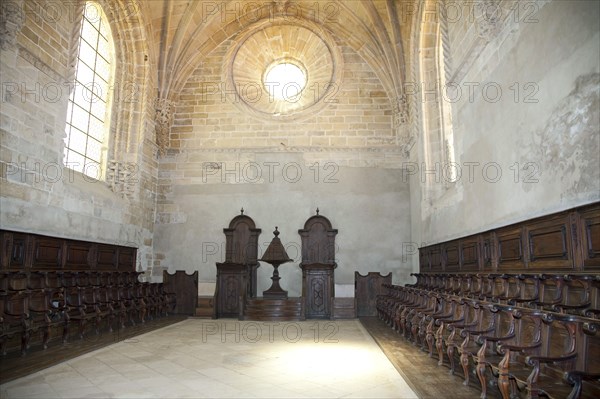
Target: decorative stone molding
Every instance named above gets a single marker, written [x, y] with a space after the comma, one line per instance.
[12, 18]
[74, 45]
[280, 7]
[163, 119]
[401, 124]
[122, 177]
[400, 111]
[488, 19]
[302, 41]
[383, 149]
[446, 51]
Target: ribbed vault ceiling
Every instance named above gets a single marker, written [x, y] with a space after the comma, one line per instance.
[185, 32]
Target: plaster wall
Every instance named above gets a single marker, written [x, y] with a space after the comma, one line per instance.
[527, 134]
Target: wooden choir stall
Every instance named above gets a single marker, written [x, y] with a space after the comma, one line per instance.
[318, 264]
[236, 292]
[55, 291]
[516, 307]
[236, 276]
[366, 290]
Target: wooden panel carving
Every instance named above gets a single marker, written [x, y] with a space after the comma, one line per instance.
[106, 257]
[435, 258]
[316, 303]
[185, 288]
[232, 288]
[14, 248]
[78, 254]
[469, 254]
[452, 256]
[487, 251]
[590, 238]
[549, 244]
[47, 253]
[5, 250]
[126, 259]
[510, 248]
[317, 290]
[424, 260]
[592, 232]
[509, 244]
[231, 280]
[36, 252]
[568, 240]
[366, 290]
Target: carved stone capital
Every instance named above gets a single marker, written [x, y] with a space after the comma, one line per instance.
[12, 18]
[163, 119]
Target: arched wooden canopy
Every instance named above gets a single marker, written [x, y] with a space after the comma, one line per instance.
[318, 241]
[241, 241]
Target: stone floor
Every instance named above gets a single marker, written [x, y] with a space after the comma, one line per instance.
[226, 359]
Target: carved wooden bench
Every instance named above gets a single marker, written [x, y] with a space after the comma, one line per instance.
[524, 351]
[557, 345]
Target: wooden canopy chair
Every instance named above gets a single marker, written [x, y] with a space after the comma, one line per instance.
[318, 264]
[236, 276]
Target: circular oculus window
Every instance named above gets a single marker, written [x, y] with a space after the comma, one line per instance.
[282, 71]
[284, 80]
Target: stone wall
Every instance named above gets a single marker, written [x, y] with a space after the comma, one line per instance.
[357, 115]
[525, 131]
[367, 205]
[526, 119]
[39, 194]
[340, 159]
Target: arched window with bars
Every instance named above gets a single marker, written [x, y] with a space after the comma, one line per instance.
[88, 113]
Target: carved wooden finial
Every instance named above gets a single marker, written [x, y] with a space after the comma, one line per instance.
[317, 211]
[276, 232]
[242, 211]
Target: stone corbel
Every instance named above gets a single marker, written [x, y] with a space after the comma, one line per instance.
[400, 115]
[400, 111]
[12, 18]
[163, 119]
[122, 178]
[401, 123]
[488, 15]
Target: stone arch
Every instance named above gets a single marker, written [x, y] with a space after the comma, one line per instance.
[132, 81]
[432, 121]
[132, 73]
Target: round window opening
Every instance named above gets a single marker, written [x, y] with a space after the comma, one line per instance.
[285, 80]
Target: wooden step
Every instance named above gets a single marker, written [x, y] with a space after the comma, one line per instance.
[265, 309]
[205, 307]
[344, 308]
